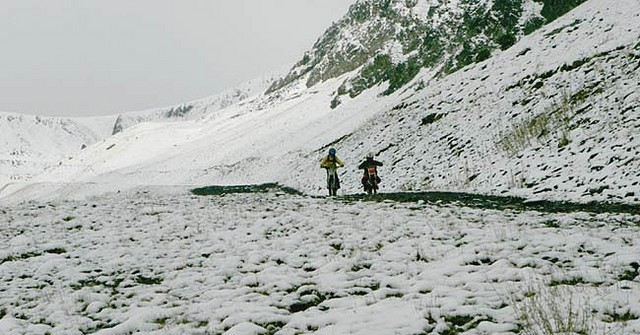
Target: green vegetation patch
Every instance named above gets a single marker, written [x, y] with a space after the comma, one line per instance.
[26, 255]
[552, 310]
[57, 251]
[555, 122]
[97, 327]
[568, 281]
[431, 118]
[179, 112]
[613, 316]
[498, 202]
[271, 327]
[148, 280]
[630, 273]
[441, 198]
[309, 298]
[462, 323]
[553, 9]
[31, 254]
[532, 25]
[231, 189]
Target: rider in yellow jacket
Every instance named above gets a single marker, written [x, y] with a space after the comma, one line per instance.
[331, 161]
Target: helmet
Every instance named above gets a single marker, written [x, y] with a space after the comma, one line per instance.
[370, 155]
[332, 151]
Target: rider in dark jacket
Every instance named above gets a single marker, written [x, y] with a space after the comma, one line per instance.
[369, 163]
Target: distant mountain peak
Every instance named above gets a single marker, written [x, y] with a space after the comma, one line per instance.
[391, 41]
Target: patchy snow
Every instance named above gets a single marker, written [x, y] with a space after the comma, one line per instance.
[159, 260]
[109, 240]
[530, 9]
[462, 132]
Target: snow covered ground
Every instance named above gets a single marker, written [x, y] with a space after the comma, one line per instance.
[98, 245]
[160, 260]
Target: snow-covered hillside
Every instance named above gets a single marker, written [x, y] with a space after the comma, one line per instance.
[555, 116]
[198, 109]
[389, 41]
[30, 144]
[245, 143]
[34, 144]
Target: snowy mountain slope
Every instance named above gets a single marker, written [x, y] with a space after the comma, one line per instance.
[240, 144]
[392, 40]
[31, 143]
[557, 115]
[402, 19]
[200, 108]
[554, 116]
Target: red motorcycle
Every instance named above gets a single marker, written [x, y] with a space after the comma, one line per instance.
[370, 180]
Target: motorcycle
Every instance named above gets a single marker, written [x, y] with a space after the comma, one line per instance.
[371, 180]
[332, 181]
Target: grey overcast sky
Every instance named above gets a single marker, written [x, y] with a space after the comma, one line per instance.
[98, 57]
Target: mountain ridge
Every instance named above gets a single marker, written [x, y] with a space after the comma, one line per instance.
[391, 41]
[23, 158]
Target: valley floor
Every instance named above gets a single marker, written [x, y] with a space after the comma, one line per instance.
[168, 262]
